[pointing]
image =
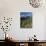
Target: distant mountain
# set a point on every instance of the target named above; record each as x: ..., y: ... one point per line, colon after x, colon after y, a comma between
x: 23, y: 18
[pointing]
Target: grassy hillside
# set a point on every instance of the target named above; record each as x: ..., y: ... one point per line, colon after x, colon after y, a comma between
x: 26, y: 22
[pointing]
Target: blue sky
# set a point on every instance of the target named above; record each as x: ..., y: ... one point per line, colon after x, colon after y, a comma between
x: 24, y: 14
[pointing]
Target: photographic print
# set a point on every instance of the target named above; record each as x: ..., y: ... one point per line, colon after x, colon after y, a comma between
x: 26, y: 19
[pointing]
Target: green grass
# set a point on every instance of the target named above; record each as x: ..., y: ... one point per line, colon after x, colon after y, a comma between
x: 27, y: 23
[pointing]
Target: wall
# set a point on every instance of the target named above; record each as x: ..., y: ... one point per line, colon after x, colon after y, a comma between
x: 12, y: 8
x: 45, y: 27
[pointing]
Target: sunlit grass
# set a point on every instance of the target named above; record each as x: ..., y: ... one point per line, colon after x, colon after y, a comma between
x: 27, y: 23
